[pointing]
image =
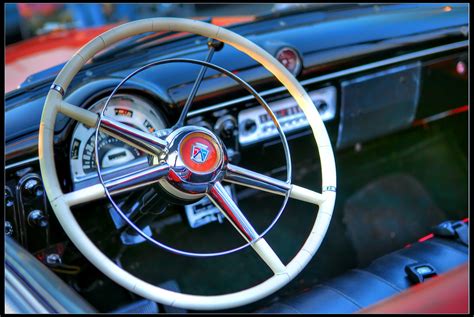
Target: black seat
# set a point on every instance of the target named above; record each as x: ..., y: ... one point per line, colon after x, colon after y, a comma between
x: 384, y: 277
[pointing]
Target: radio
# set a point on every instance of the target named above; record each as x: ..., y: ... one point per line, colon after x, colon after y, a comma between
x: 255, y: 124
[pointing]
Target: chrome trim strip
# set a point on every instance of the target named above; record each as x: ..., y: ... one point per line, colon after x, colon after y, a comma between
x: 24, y: 296
x: 20, y: 163
x: 349, y: 71
x: 58, y: 89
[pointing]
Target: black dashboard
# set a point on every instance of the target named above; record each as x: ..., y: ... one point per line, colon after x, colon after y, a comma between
x: 360, y: 65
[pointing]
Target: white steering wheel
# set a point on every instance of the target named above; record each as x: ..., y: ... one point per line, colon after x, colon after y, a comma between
x: 182, y: 175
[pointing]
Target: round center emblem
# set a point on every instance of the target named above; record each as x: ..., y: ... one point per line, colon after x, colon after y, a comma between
x: 199, y: 152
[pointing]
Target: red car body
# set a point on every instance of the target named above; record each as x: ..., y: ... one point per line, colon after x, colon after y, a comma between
x: 21, y: 59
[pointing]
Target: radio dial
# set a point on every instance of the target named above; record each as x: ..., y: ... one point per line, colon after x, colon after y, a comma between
x: 249, y: 126
x: 321, y: 105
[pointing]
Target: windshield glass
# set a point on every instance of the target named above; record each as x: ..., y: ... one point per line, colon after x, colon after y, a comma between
x: 26, y: 20
x: 42, y: 35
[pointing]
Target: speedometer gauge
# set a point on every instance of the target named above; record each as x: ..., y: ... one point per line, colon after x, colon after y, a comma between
x: 129, y: 109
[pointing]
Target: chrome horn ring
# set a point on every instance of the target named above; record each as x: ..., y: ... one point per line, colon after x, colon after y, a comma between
x: 159, y: 149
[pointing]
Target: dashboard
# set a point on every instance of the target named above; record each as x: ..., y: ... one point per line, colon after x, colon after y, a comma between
x: 355, y: 82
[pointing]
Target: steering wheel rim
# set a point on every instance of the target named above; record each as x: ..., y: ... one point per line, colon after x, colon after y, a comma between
x: 61, y: 202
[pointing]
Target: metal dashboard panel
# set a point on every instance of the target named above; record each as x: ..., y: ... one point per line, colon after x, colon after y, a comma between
x: 379, y: 103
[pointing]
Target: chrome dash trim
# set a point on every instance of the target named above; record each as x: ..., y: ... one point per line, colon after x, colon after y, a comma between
x: 349, y: 71
x: 20, y: 163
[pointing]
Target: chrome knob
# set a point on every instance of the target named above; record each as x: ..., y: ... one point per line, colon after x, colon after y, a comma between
x: 33, y: 188
x: 8, y: 200
x: 54, y: 259
x: 8, y: 228
x: 36, y: 218
x: 321, y: 105
x: 225, y: 126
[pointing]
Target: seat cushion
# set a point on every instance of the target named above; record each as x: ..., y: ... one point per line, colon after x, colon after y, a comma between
x: 383, y: 278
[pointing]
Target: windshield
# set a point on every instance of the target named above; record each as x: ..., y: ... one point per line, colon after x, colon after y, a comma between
x: 53, y: 32
x: 26, y: 20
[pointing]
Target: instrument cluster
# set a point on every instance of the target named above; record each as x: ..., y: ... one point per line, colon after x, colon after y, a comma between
x: 114, y: 154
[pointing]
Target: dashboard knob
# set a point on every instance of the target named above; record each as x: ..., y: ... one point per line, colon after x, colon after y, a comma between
x: 249, y: 126
x: 225, y: 126
x: 33, y: 188
x: 54, y: 259
x: 8, y: 200
x: 228, y: 128
x: 8, y: 228
x: 321, y: 105
x: 36, y: 218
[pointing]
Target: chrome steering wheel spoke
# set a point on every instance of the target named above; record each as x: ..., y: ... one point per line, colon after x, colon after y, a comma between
x: 144, y: 141
x: 242, y: 176
x: 118, y: 185
x: 137, y: 179
x: 153, y: 144
x: 223, y: 201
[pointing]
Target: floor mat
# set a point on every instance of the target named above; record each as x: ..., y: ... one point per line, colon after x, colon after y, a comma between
x: 387, y: 214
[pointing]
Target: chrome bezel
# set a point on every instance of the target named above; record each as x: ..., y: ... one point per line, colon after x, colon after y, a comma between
x: 299, y: 62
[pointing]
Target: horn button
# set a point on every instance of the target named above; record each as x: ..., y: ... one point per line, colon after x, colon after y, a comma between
x: 196, y: 158
x: 199, y: 152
